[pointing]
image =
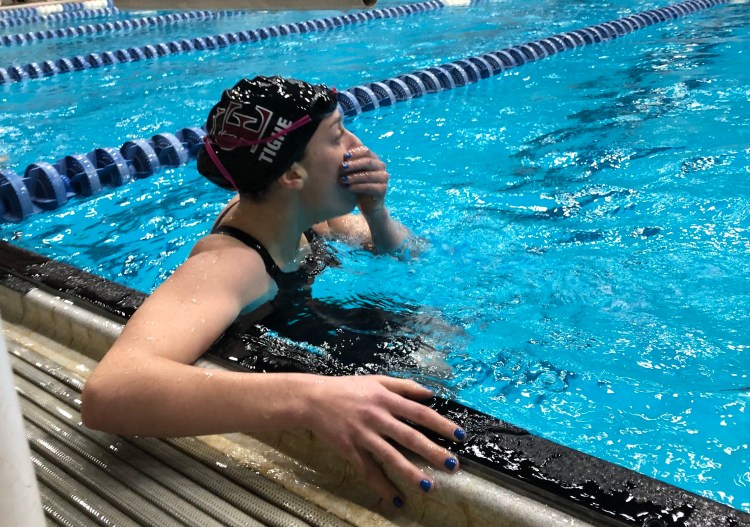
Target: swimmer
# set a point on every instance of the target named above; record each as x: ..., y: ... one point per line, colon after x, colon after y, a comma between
x: 298, y: 173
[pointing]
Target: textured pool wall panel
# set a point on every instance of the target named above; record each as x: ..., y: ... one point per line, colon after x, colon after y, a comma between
x: 86, y: 476
x: 508, y: 477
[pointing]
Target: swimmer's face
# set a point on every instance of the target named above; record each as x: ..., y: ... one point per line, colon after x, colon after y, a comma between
x: 322, y: 161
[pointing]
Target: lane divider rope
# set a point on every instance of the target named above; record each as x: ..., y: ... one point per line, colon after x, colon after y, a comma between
x: 59, y: 17
x: 19, y: 73
x: 118, y: 25
x: 45, y: 186
x: 46, y: 9
x: 472, y: 69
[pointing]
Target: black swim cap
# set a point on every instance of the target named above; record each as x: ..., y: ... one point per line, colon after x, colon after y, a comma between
x: 259, y: 128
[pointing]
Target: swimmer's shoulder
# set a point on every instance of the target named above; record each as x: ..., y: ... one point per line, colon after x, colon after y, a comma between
x: 229, y: 267
x: 213, y: 243
x: 226, y: 252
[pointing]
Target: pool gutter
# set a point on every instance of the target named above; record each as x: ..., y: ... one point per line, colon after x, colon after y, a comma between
x: 509, y: 476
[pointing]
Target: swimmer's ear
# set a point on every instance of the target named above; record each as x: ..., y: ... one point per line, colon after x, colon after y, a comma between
x: 294, y: 177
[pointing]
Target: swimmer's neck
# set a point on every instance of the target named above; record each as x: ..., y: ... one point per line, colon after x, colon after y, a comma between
x: 277, y: 225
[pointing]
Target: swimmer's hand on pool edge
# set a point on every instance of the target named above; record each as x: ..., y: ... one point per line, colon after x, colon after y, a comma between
x: 367, y: 412
x: 358, y: 416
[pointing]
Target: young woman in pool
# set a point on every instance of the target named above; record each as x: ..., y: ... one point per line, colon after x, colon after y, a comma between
x: 299, y: 173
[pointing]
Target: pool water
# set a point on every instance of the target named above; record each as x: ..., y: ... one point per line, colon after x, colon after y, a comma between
x: 588, y: 215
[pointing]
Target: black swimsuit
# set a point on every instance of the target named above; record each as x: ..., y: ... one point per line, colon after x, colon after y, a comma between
x: 313, y: 264
x: 291, y: 283
x: 295, y: 332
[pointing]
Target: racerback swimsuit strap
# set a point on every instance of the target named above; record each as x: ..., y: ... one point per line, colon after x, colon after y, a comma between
x: 271, y: 268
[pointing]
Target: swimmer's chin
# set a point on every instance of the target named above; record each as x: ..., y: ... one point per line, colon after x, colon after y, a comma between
x: 346, y: 205
x: 349, y: 200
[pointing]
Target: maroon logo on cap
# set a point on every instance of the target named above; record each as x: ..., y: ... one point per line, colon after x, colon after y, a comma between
x: 230, y: 123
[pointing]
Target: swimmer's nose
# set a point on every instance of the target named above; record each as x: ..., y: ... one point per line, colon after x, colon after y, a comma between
x: 352, y: 141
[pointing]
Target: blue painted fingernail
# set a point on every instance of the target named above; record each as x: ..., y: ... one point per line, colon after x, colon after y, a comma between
x: 348, y: 155
x: 344, y: 178
x: 450, y: 463
x: 345, y: 164
x: 398, y: 502
x: 425, y: 485
x: 459, y: 434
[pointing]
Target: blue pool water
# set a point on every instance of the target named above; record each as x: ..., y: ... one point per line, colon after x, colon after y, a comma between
x: 588, y: 215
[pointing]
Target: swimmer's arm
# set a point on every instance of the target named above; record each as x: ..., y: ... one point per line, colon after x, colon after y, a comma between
x: 364, y: 174
x: 379, y: 232
x: 146, y: 384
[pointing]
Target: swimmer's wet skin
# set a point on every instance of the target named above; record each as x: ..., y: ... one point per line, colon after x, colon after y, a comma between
x: 282, y: 146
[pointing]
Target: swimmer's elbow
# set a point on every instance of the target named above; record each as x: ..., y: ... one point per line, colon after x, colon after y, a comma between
x: 95, y: 405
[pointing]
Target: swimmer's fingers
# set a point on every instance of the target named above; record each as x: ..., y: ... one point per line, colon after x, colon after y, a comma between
x: 361, y: 159
x: 391, y: 431
x: 364, y: 174
x: 359, y: 150
x: 419, y: 413
x: 409, y: 437
x: 367, y: 183
x: 365, y: 464
x: 409, y: 389
x: 370, y: 188
x: 369, y: 413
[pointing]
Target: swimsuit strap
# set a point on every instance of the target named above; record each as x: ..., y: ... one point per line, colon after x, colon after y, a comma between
x: 271, y: 267
x: 226, y: 210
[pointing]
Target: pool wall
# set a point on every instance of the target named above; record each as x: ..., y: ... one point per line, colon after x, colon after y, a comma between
x: 86, y: 313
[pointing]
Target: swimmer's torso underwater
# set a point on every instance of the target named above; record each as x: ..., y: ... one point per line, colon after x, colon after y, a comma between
x: 296, y: 332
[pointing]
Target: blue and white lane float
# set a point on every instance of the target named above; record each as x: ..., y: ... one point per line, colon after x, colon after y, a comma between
x: 31, y: 37
x: 50, y: 8
x: 59, y: 17
x: 19, y: 73
x: 469, y: 70
x: 45, y: 186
